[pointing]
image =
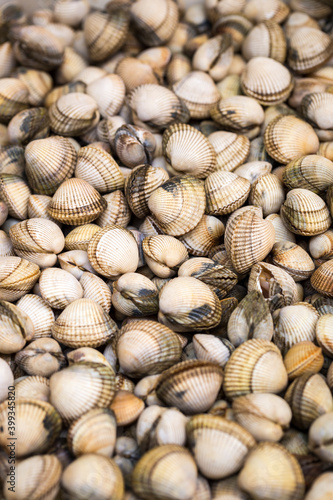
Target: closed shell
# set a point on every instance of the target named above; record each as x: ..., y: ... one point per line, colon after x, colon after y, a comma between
x: 324, y: 334
x: 95, y: 289
x: 309, y: 49
x: 266, y: 39
x: 267, y: 192
x: 17, y: 277
x: 16, y: 328
x: 40, y: 314
x: 59, y: 288
x: 231, y: 149
x: 15, y: 192
x: 225, y: 192
x: 303, y: 358
x: 190, y: 90
x: 204, y: 236
x: 238, y: 113
x: 155, y: 23
x: 293, y: 259
x: 262, y: 10
x: 164, y: 254
x: 14, y: 97
x: 312, y: 172
x: 79, y: 237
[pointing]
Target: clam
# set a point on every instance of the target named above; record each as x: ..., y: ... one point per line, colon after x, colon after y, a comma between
x: 178, y: 204
x: 164, y: 254
x: 179, y: 313
x: 6, y: 246
x: 17, y: 277
x: 154, y: 24
x: 227, y: 486
x: 37, y: 207
x: 238, y: 113
x: 117, y: 211
x: 210, y: 348
x: 218, y: 445
x: 96, y: 166
x: 293, y: 324
x: 7, y: 59
x: 95, y: 289
x: 12, y: 160
x: 250, y: 319
x: 326, y: 150
x: 168, y: 471
x: 109, y: 94
x: 321, y: 487
x: 28, y: 125
x: 324, y: 333
x: 320, y: 437
x: 266, y: 39
x: 14, y: 97
x: 134, y: 145
x: 316, y: 108
x: 305, y: 213
x: 73, y: 114
x: 261, y: 10
x: 321, y: 279
x: 72, y: 64
x: 293, y: 259
x: 79, y: 237
x: 40, y: 314
x: 80, y: 388
x: 248, y: 238
x: 263, y: 464
x: 7, y: 379
x: 135, y: 295
x: 204, y: 236
x: 87, y: 354
x: 191, y: 386
x: 295, y: 441
x: 38, y: 425
x: 84, y: 323
x: 231, y: 149
x: 42, y: 357
x: 69, y: 88
x: 256, y: 366
x: 178, y: 68
x: 76, y: 202
x: 75, y: 262
x: 267, y: 192
x: 324, y: 305
x: 225, y: 192
x: 104, y: 254
x: 135, y: 72
x: 94, y: 476
x: 214, y: 56
x: 59, y: 288
x: 257, y: 81
x: 15, y: 192
x: 188, y: 151
x: 303, y: 60
x: 70, y: 12
x: 312, y: 172
x: 126, y: 407
x: 253, y: 170
x: 321, y: 246
x: 146, y: 348
x: 190, y: 89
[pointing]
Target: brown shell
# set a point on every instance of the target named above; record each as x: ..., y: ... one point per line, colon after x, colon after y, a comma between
x: 293, y: 259
x: 154, y: 23
x: 266, y: 39
x: 312, y: 172
x: 225, y: 192
x: 322, y: 279
x: 15, y: 192
x: 303, y: 358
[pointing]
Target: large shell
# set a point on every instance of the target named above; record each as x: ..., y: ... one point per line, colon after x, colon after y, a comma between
x: 287, y: 137
x: 231, y: 149
x: 305, y: 213
x: 84, y: 323
x: 49, y: 162
x: 154, y: 23
x: 17, y: 277
x: 255, y: 366
x: 15, y: 192
x: 40, y: 314
x: 37, y: 426
x: 80, y: 388
x: 303, y: 358
x: 309, y: 49
x: 178, y: 204
x: 248, y: 238
x: 76, y: 202
x: 293, y: 259
x: 225, y: 192
x: 219, y: 445
x: 191, y: 386
x: 266, y: 39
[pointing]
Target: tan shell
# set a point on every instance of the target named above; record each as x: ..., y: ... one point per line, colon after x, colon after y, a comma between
x: 84, y: 323
x: 303, y: 358
x: 166, y: 468
x: 79, y: 237
x: 32, y: 387
x: 154, y: 23
x: 272, y: 459
x: 41, y: 357
x: 282, y: 233
x: 303, y: 60
x: 117, y: 210
x: 207, y: 433
x: 15, y: 192
x: 75, y: 262
x: 7, y: 59
x: 135, y: 72
x: 17, y: 277
x: 248, y: 238
x: 266, y: 39
x: 40, y: 314
x: 255, y: 366
x: 6, y: 246
x: 96, y: 166
x: 80, y: 388
x: 305, y: 213
x: 225, y: 192
x: 293, y: 259
x: 317, y: 108
x: 238, y: 113
x: 12, y: 160
x: 214, y: 56
x: 73, y: 114
x: 267, y: 80
x: 262, y: 10
x: 326, y: 149
x: 321, y: 246
x: 253, y: 170
x: 104, y: 254
x: 201, y: 312
x: 37, y: 207
x: 16, y: 328
x: 70, y: 88
x: 95, y: 289
x: 135, y: 295
x: 309, y: 397
x: 134, y: 145
x: 38, y: 426
x: 59, y: 288
x: 267, y: 192
x: 231, y: 149
x: 312, y: 172
x: 28, y: 125
x: 191, y: 386
x: 164, y: 254
x: 14, y: 97
x: 109, y: 94
x: 126, y: 407
x: 324, y: 334
x: 76, y: 202
x: 321, y: 280
x: 204, y: 236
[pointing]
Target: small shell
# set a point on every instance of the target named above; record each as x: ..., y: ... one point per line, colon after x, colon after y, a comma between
x: 321, y: 246
x: 317, y: 108
x: 126, y: 407
x: 16, y: 328
x: 42, y: 357
x: 15, y: 192
x: 190, y: 90
x: 6, y: 246
x: 293, y: 259
x: 255, y: 366
x: 37, y: 207
x: 204, y: 236
x: 73, y: 114
x: 253, y: 170
x: 12, y: 160
x: 321, y: 487
x: 164, y: 254
x: 267, y: 192
x: 134, y: 145
x: 109, y: 94
x: 83, y: 323
x: 238, y: 113
x: 32, y: 387
x: 155, y: 24
x: 135, y: 295
x: 40, y: 314
x: 303, y: 60
x: 14, y: 97
x: 135, y: 72
x: 191, y: 386
x: 214, y: 56
x: 70, y: 12
x: 28, y: 125
x: 225, y: 192
x: 305, y: 213
x: 303, y: 358
x: 312, y: 172
x: 282, y: 233
x: 231, y: 149
x: 7, y: 59
x: 117, y: 210
x: 17, y: 277
x: 262, y: 10
x: 266, y: 39
x: 324, y: 334
x: 78, y: 238
x: 59, y: 288
x: 95, y: 289
x: 70, y: 88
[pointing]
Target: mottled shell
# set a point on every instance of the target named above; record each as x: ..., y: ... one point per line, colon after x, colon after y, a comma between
x: 204, y: 236
x: 309, y: 49
x: 225, y: 192
x: 17, y: 277
x: 231, y: 149
x: 76, y: 202
x: 305, y: 213
x: 191, y: 386
x: 303, y: 358
x: 312, y: 172
x: 135, y: 295
x: 84, y: 323
x: 266, y: 39
x: 293, y: 259
x: 255, y: 366
x: 12, y: 160
x: 28, y: 125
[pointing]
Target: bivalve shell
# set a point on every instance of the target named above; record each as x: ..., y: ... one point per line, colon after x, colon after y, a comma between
x: 266, y: 39
x: 204, y: 236
x: 59, y: 288
x: 320, y: 437
x: 231, y: 149
x: 312, y: 172
x: 14, y: 97
x: 238, y: 113
x: 267, y: 192
x: 17, y: 277
x: 79, y: 237
x: 96, y: 289
x: 262, y: 10
x: 225, y: 192
x: 164, y: 254
x: 109, y: 94
x: 154, y: 23
x: 135, y: 295
x: 324, y: 334
x: 309, y: 49
x: 40, y: 314
x: 16, y: 328
x: 293, y: 259
x: 15, y: 192
x: 303, y: 358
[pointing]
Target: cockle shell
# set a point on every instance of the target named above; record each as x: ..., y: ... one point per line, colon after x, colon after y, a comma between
x: 303, y: 60
x: 17, y: 277
x: 266, y: 39
x: 303, y: 358
x: 293, y: 259
x: 59, y: 287
x: 16, y: 328
x: 164, y: 254
x: 231, y: 149
x: 15, y: 192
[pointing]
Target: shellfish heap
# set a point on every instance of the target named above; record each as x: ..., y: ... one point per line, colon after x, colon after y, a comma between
x: 166, y: 250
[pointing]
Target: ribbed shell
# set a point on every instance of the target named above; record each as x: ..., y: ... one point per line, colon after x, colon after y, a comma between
x: 6, y: 246
x: 287, y: 137
x: 109, y: 93
x: 312, y: 172
x: 255, y: 366
x: 126, y: 407
x: 282, y: 233
x: 309, y: 49
x: 95, y: 289
x: 105, y: 33
x: 79, y: 237
x: 94, y: 432
x: 204, y: 236
x: 135, y: 73
x: 28, y: 125
x: 317, y: 108
x: 225, y: 192
x: 84, y: 323
x: 15, y: 192
x: 188, y: 304
x: 188, y: 151
x: 178, y: 204
x: 59, y: 288
x: 40, y: 314
x: 155, y: 23
x: 157, y: 106
x: 305, y: 213
x: 57, y: 92
x: 262, y: 10
x: 266, y: 39
x: 199, y: 92
x: 231, y: 149
x: 113, y: 251
x: 80, y: 388
x: 207, y: 433
x: 16, y: 328
x: 324, y: 334
x: 248, y: 238
x: 135, y: 295
x: 73, y: 114
x: 76, y: 202
x: 7, y: 59
x: 322, y: 279
x: 17, y: 277
x: 293, y: 259
x: 303, y: 358
x: 12, y: 160
x: 117, y: 210
x: 164, y: 254
x: 321, y: 246
x: 238, y: 113
x: 37, y: 427
x: 267, y: 80
x: 210, y: 348
x: 214, y: 56
x: 191, y: 386
x: 147, y: 348
x: 14, y: 97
